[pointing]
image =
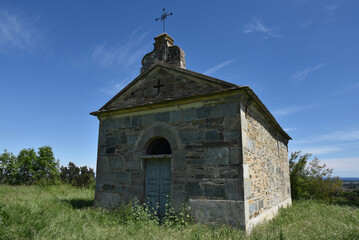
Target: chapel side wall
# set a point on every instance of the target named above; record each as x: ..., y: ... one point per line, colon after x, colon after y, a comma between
x: 206, y: 157
x: 265, y: 153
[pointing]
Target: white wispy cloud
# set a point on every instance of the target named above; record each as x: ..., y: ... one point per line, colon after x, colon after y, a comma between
x: 293, y: 109
x: 121, y: 55
x: 290, y: 129
x: 321, y: 150
x: 334, y: 136
x: 18, y: 32
x: 217, y: 67
x: 117, y: 85
x: 346, y: 166
x: 301, y: 75
x: 257, y: 26
x: 330, y: 8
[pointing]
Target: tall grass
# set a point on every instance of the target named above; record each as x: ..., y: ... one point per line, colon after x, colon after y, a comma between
x: 64, y: 212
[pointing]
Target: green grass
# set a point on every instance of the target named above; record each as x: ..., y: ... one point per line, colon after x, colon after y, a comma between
x: 64, y: 212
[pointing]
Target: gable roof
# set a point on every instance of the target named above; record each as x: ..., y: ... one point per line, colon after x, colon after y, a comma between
x: 180, y: 83
x: 211, y: 86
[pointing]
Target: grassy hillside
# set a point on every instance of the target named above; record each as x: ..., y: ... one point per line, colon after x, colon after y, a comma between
x: 63, y: 212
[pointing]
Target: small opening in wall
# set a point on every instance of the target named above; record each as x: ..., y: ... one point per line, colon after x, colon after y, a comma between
x: 159, y: 146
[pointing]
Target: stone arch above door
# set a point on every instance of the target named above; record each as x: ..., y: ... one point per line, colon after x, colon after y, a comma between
x: 159, y: 130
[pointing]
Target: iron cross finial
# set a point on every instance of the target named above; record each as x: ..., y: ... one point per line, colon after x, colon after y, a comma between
x: 163, y: 18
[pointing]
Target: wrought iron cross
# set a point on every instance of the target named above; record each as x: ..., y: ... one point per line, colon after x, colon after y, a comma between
x: 163, y: 18
x: 158, y: 86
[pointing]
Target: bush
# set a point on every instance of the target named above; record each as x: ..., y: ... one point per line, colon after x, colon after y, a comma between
x: 77, y: 176
x: 29, y: 167
x: 310, y: 179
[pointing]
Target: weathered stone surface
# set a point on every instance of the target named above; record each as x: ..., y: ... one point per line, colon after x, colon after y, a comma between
x: 211, y: 135
x: 234, y: 155
x: 162, y: 117
x: 214, y: 190
x: 228, y: 109
x: 127, y: 122
x: 131, y: 140
x: 234, y: 189
x: 137, y: 121
x: 217, y: 156
x: 203, y: 112
x: 124, y: 177
x: 189, y: 114
x: 148, y: 119
x: 175, y: 116
x: 192, y: 136
x: 194, y: 189
x: 232, y: 124
x: 108, y: 187
x: 218, y: 211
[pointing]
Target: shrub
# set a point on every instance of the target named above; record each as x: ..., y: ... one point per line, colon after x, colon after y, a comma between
x: 310, y: 179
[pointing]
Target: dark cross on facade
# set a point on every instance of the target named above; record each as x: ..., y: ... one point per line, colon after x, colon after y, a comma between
x: 163, y: 18
x: 158, y: 86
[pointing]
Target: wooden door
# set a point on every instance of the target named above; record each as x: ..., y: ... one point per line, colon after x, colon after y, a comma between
x: 158, y: 183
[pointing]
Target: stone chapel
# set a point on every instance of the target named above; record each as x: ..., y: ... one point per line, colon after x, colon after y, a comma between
x: 200, y: 140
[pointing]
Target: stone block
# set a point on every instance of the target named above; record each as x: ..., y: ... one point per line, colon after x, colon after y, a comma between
x: 108, y: 187
x: 245, y: 171
x: 253, y: 207
x: 203, y: 112
x: 211, y: 135
x: 231, y: 136
x: 162, y: 117
x: 136, y: 121
x: 194, y: 189
x: 123, y: 138
x: 131, y: 140
x: 226, y: 109
x: 247, y: 188
x: 189, y: 114
x: 234, y: 155
x: 234, y: 189
x: 110, y: 141
x: 127, y: 122
x: 232, y: 124
x: 214, y: 190
x: 111, y: 124
x: 218, y: 211
x: 110, y: 150
x: 176, y: 116
x: 217, y: 156
x: 115, y: 164
x: 124, y: 177
x: 197, y: 162
x: 148, y: 119
x: 192, y: 136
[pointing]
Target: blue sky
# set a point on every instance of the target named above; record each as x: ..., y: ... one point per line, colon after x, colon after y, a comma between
x: 61, y: 60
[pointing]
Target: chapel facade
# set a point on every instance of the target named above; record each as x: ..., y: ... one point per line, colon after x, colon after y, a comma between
x: 199, y: 140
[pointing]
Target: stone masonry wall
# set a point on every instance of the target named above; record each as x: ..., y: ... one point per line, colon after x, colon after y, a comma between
x: 206, y: 161
x: 265, y: 152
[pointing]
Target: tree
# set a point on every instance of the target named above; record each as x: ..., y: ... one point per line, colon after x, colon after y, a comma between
x: 8, y: 169
x: 77, y: 176
x: 29, y: 167
x: 310, y: 179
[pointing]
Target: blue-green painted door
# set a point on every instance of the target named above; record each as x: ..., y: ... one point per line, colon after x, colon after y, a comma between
x: 158, y: 183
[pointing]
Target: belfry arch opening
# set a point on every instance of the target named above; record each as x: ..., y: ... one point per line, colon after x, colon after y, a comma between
x: 158, y: 146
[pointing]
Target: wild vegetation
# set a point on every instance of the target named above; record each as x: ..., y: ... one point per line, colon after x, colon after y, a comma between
x: 66, y: 212
x: 29, y: 167
x: 57, y: 206
x: 310, y: 179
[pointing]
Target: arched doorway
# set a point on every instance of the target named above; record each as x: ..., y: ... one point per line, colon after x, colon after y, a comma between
x: 158, y: 173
